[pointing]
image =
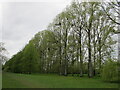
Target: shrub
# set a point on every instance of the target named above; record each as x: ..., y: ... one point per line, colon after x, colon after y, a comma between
x: 110, y: 71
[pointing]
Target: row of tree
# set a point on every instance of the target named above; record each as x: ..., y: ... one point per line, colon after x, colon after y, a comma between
x: 78, y: 41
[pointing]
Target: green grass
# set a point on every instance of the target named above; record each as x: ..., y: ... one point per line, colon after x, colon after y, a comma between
x: 12, y: 80
x: 0, y: 80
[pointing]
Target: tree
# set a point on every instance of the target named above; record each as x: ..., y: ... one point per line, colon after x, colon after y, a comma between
x: 79, y: 40
x: 30, y: 58
x: 3, y: 51
x: 78, y: 27
x: 110, y: 71
x: 112, y: 7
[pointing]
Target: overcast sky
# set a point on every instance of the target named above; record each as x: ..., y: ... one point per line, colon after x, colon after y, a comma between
x: 22, y: 20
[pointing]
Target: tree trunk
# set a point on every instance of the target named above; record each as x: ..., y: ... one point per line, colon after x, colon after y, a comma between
x: 90, y: 71
x: 94, y: 58
x: 99, y: 54
x: 66, y: 62
x: 80, y: 52
x: 60, y: 68
x: 90, y: 68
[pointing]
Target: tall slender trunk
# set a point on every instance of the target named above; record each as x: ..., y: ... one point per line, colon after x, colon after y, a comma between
x: 72, y: 64
x: 73, y: 56
x: 94, y: 58
x: 80, y: 52
x: 77, y: 56
x: 90, y: 71
x: 66, y: 62
x: 99, y: 53
x: 60, y: 68
x: 119, y: 52
x: 90, y: 68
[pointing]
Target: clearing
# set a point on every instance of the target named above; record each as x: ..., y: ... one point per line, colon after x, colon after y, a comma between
x: 13, y: 80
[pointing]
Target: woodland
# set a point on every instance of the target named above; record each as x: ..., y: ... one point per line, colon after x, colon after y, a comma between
x: 79, y: 41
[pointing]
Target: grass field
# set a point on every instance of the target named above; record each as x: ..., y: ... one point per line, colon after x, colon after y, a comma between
x: 12, y: 80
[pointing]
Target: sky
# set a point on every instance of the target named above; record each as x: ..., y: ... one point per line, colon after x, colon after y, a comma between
x: 22, y: 20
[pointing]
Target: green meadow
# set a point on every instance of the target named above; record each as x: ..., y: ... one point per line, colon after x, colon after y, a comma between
x: 12, y: 80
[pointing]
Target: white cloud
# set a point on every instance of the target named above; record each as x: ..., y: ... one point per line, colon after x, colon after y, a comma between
x: 0, y: 22
x: 22, y: 20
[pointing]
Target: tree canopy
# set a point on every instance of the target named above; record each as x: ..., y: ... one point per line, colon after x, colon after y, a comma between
x: 78, y: 41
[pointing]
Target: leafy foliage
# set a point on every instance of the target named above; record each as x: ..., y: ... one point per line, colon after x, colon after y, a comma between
x: 110, y: 71
x: 78, y: 41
